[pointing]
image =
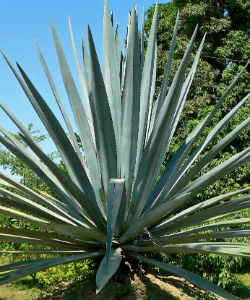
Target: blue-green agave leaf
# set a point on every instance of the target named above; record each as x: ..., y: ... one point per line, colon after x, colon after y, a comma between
x: 60, y: 105
x: 61, y: 140
x: 130, y: 105
x: 186, y: 212
x: 142, y: 39
x: 154, y: 152
x: 103, y: 123
x: 116, y: 189
x: 82, y: 119
x: 105, y: 272
x: 189, y: 276
x: 118, y: 43
x: 146, y: 81
x: 188, y: 193
x: 111, y: 75
x: 167, y: 70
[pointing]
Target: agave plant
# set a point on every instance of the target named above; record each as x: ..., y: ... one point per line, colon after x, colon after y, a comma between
x: 115, y: 201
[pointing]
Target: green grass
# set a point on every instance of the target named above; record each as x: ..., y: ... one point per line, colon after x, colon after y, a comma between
x: 242, y: 286
x: 22, y: 289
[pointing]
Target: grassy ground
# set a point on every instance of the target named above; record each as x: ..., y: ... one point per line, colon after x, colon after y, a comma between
x: 242, y: 287
x: 147, y: 286
x: 23, y: 289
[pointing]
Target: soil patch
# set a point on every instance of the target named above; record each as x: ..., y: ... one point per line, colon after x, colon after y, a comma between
x: 128, y: 284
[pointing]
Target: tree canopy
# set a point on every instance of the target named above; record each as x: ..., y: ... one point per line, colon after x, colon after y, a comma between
x: 226, y: 51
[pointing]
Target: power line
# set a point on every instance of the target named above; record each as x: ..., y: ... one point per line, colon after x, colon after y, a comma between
x: 54, y: 54
x: 27, y: 51
x: 30, y: 35
x: 64, y: 38
x: 224, y: 58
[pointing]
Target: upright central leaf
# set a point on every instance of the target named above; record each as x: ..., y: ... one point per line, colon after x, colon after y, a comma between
x: 111, y: 74
x: 103, y: 124
x: 130, y: 104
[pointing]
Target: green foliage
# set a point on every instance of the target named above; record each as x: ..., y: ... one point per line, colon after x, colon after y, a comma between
x: 225, y: 52
x: 16, y: 167
x: 65, y: 273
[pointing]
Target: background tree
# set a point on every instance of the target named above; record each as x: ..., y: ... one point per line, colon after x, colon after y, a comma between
x: 226, y: 51
x: 16, y: 167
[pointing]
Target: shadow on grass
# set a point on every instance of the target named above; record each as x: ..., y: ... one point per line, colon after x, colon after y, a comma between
x: 241, y: 290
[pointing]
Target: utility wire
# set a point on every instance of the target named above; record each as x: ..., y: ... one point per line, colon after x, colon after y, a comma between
x: 54, y: 54
x: 225, y: 58
x: 30, y: 35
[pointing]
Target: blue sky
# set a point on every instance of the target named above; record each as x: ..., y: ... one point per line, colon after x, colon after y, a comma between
x: 23, y: 21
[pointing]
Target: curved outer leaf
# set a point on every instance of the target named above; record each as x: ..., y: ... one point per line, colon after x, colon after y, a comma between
x: 218, y: 172
x: 64, y: 182
x: 56, y: 128
x: 105, y: 272
x: 197, y: 207
x: 86, y: 65
x: 39, y: 265
x: 191, y: 277
x: 53, y: 126
x: 29, y: 138
x: 74, y: 231
x: 186, y: 236
x: 111, y: 75
x: 66, y: 212
x: 210, y: 155
x: 205, y: 215
x: 32, y: 207
x: 17, y: 123
x: 188, y: 193
x: 61, y: 140
x: 202, y: 247
x: 83, y: 86
x: 164, y: 86
x: 175, y: 119
x: 35, y: 165
x: 15, y: 265
x: 231, y: 223
x: 60, y: 105
x: 202, y: 182
x: 45, y: 251
x: 180, y: 155
x: 130, y: 105
x: 35, y: 241
x: 25, y: 152
x: 212, y: 134
x: 104, y: 130
x: 41, y: 173
x: 152, y: 92
x: 48, y: 237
